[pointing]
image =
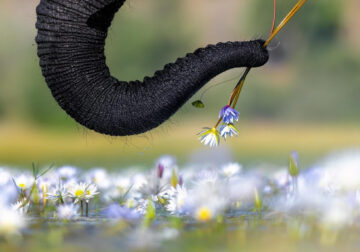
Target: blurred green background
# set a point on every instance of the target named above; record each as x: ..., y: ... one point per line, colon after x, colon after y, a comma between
x: 306, y: 98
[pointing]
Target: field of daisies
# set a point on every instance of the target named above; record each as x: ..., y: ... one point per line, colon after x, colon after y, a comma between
x: 191, y: 208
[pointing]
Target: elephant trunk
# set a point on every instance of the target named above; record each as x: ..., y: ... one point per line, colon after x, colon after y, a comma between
x: 71, y: 41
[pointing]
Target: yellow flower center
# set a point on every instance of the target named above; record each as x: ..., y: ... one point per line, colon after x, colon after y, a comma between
x: 204, y: 214
x: 213, y: 131
x: 87, y: 192
x: 79, y: 193
x: 22, y: 185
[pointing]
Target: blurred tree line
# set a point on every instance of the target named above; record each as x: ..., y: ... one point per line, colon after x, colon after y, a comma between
x: 325, y: 71
x: 320, y: 21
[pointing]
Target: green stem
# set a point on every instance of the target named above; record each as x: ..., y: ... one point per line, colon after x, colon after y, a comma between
x: 239, y: 87
x: 61, y: 200
x: 82, y: 208
x: 87, y: 209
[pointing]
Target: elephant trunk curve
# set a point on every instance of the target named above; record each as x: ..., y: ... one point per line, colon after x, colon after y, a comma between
x: 71, y: 41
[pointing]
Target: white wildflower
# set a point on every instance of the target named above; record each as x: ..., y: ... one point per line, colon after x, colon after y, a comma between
x: 83, y: 191
x: 24, y: 182
x: 176, y: 205
x: 58, y: 194
x: 228, y: 130
x: 210, y: 137
x: 67, y: 211
x: 100, y: 178
x: 231, y: 169
x: 21, y: 207
x: 67, y: 172
x: 5, y: 177
x: 11, y: 221
x: 337, y: 215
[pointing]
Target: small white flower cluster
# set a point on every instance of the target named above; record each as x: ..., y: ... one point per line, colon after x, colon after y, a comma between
x: 211, y: 136
x: 328, y: 192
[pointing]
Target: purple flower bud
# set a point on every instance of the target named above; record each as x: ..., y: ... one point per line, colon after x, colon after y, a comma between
x: 160, y: 170
x: 228, y: 114
x: 180, y: 180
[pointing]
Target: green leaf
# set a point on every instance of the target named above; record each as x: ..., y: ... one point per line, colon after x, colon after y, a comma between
x: 46, y: 170
x: 124, y: 197
x: 198, y: 104
x: 16, y: 186
x: 35, y: 169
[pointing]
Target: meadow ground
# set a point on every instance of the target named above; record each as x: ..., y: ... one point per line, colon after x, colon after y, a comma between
x: 168, y: 206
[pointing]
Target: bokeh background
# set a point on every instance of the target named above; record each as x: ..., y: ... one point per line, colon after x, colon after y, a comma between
x: 306, y: 98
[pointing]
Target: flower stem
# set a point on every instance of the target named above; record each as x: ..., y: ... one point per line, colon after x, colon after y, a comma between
x: 218, y: 122
x: 44, y: 197
x: 294, y: 10
x: 260, y: 214
x: 87, y: 209
x: 295, y: 185
x: 274, y: 19
x: 61, y: 200
x: 237, y: 90
x: 239, y: 87
x: 82, y: 208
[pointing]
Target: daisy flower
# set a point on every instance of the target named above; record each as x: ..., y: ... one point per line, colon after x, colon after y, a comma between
x: 20, y: 207
x: 67, y: 212
x: 205, y: 207
x: 83, y: 191
x: 177, y: 201
x: 337, y: 215
x: 228, y: 130
x: 228, y: 114
x: 231, y: 169
x: 241, y: 188
x: 58, y: 194
x: 67, y: 172
x: 5, y: 177
x: 206, y: 201
x: 204, y: 214
x: 11, y: 221
x: 100, y: 178
x: 24, y: 182
x: 91, y: 191
x: 167, y: 161
x: 210, y: 137
x: 121, y: 185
